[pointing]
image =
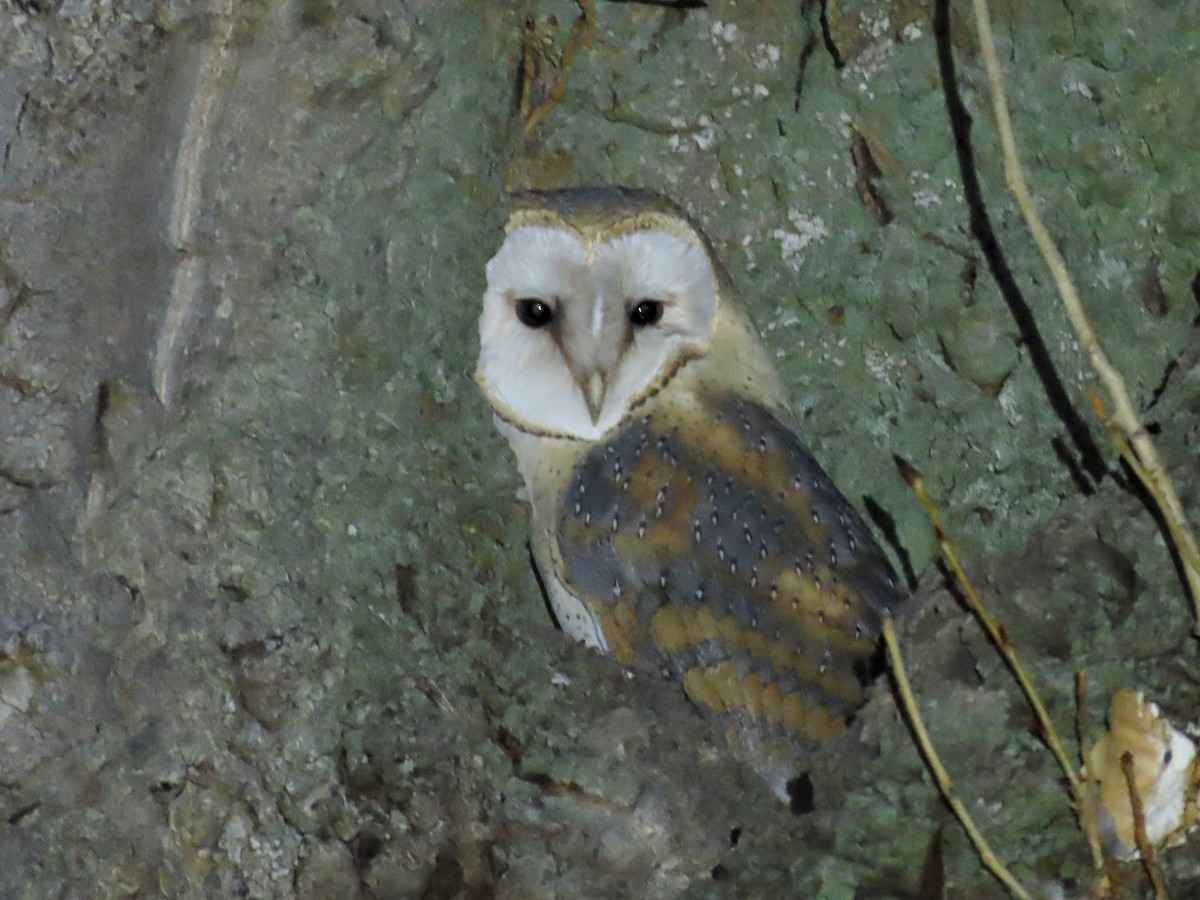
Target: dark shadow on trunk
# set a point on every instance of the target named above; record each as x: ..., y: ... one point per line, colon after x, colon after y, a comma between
x: 1090, y: 459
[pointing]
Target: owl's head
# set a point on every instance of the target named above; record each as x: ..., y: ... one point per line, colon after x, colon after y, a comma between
x: 594, y: 301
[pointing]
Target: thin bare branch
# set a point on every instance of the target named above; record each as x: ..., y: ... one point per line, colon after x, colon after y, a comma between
x: 945, y: 787
x: 1087, y: 797
x: 1139, y: 828
x: 582, y: 34
x: 1135, y: 443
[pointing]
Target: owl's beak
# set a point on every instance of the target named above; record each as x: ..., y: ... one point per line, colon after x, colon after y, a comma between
x: 594, y: 389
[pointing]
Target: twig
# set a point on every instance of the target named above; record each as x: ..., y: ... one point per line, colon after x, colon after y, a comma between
x: 1135, y: 440
x: 994, y: 632
x: 1117, y: 436
x: 1081, y: 715
x: 187, y: 197
x: 528, y: 66
x: 1110, y: 878
x: 1004, y: 646
x: 909, y: 704
x: 577, y: 38
x: 866, y: 171
x: 1139, y: 828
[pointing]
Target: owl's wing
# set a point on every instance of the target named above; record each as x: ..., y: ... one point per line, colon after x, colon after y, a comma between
x: 713, y: 543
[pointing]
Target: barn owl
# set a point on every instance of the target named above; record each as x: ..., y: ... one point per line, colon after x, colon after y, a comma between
x: 677, y: 517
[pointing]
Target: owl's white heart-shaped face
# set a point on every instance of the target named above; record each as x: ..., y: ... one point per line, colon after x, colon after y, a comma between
x: 577, y: 330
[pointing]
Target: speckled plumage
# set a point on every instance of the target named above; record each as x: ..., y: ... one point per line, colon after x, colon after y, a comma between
x: 690, y: 527
x: 716, y: 540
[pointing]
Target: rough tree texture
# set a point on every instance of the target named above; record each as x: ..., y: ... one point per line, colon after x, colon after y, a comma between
x: 267, y: 621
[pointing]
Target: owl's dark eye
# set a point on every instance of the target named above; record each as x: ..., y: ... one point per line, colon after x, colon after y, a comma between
x: 534, y: 313
x: 646, y: 312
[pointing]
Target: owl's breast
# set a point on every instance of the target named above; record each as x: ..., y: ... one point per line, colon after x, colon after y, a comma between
x: 708, y: 539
